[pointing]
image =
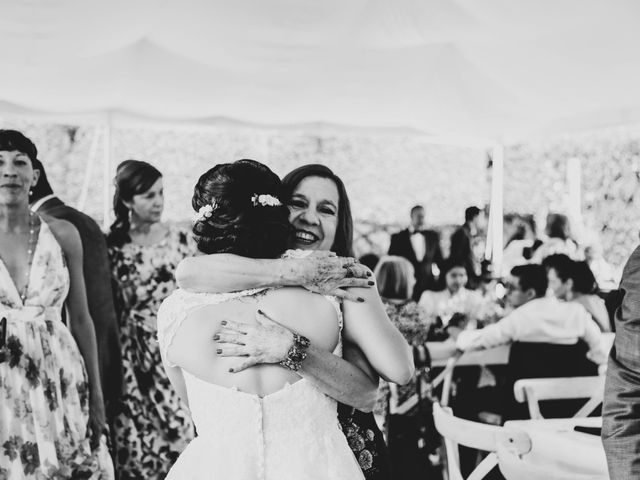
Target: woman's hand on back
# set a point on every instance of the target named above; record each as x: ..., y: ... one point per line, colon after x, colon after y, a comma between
x: 265, y: 342
x: 327, y: 274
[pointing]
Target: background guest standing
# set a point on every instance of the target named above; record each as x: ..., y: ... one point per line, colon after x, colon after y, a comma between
x: 462, y: 244
x: 97, y: 276
x: 422, y: 248
x: 151, y: 427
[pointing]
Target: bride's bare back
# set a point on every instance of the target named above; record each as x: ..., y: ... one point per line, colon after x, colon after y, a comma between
x: 194, y: 350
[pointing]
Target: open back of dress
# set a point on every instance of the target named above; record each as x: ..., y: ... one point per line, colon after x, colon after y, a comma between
x: 290, y: 434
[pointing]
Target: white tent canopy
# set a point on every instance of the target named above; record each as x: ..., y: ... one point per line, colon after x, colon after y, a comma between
x: 484, y: 69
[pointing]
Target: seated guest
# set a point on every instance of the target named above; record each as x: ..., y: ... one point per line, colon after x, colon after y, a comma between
x: 536, y: 318
x: 405, y: 433
x: 574, y: 282
x: 559, y: 239
x: 606, y: 276
x: 520, y: 236
x: 395, y: 280
x: 455, y: 298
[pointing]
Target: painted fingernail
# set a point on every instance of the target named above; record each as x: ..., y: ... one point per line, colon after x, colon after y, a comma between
x: 368, y: 274
x: 223, y: 322
x: 219, y: 351
x: 370, y: 282
x: 216, y: 337
x: 361, y: 300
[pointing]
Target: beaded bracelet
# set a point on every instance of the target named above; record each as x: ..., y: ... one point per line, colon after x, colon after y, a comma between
x: 297, y: 353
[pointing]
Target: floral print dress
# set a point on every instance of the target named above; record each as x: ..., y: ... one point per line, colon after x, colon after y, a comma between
x: 44, y: 391
x: 152, y: 426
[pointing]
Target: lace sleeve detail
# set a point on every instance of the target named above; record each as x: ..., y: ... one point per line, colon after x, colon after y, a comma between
x: 171, y: 314
x: 179, y: 304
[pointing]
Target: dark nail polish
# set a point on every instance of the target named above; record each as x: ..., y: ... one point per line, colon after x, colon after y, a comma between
x: 223, y: 322
x: 219, y: 351
x: 368, y: 274
x: 361, y: 300
x: 371, y: 283
x: 216, y: 337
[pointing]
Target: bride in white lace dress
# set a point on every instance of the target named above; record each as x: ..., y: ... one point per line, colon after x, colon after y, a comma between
x: 264, y: 422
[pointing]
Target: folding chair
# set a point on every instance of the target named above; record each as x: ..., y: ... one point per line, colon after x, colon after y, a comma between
x: 513, y: 467
x: 456, y: 431
x: 534, y: 390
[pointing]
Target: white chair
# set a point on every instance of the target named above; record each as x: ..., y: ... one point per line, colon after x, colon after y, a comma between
x: 534, y: 390
x: 456, y: 431
x: 513, y: 467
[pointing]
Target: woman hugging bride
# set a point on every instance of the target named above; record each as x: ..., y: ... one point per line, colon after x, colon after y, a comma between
x: 265, y: 422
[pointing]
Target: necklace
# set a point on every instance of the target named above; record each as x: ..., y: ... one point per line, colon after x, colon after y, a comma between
x: 30, y: 251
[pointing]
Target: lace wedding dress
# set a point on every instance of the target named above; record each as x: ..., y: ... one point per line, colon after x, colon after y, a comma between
x: 290, y: 434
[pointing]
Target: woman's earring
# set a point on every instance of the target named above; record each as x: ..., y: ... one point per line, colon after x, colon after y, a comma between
x: 30, y: 193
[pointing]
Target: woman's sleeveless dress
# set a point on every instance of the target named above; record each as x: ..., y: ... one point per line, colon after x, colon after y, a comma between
x: 44, y: 391
x: 290, y: 434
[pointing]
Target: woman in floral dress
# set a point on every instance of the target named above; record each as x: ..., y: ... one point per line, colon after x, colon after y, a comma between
x: 152, y: 427
x: 51, y: 404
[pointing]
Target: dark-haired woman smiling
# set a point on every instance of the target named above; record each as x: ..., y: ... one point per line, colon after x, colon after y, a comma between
x: 151, y: 428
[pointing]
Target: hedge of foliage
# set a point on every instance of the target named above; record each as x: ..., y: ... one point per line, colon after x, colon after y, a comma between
x: 385, y: 174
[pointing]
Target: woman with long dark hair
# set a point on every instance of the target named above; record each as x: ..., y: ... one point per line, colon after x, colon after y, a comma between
x: 320, y: 215
x: 151, y: 428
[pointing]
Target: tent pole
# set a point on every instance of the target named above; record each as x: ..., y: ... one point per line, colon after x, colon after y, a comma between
x: 106, y: 176
x: 88, y: 173
x: 496, y: 209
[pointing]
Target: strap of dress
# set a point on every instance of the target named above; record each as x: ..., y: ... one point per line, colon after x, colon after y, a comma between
x: 181, y: 303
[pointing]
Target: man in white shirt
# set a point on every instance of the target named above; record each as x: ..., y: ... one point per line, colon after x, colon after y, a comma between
x: 536, y: 318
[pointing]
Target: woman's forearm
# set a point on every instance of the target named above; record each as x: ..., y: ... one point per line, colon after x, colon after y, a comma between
x: 227, y: 273
x: 339, y: 379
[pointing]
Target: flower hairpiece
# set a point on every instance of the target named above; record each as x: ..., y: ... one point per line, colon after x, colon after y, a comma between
x: 265, y: 200
x: 205, y: 212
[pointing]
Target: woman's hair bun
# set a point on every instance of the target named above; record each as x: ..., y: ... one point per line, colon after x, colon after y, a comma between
x: 239, y: 209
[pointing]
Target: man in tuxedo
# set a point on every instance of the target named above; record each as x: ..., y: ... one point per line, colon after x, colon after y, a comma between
x: 462, y: 244
x: 621, y: 407
x: 422, y: 248
x: 97, y: 276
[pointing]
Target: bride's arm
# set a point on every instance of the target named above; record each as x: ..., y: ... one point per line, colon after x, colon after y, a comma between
x: 367, y: 325
x: 321, y: 272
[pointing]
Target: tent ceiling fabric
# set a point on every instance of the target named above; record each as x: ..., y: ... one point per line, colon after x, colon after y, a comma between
x: 494, y: 69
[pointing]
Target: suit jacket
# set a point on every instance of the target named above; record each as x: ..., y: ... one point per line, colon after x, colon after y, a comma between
x: 401, y: 245
x: 621, y: 408
x: 462, y: 249
x: 97, y: 275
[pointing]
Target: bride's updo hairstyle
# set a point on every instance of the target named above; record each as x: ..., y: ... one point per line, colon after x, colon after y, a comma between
x: 240, y: 210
